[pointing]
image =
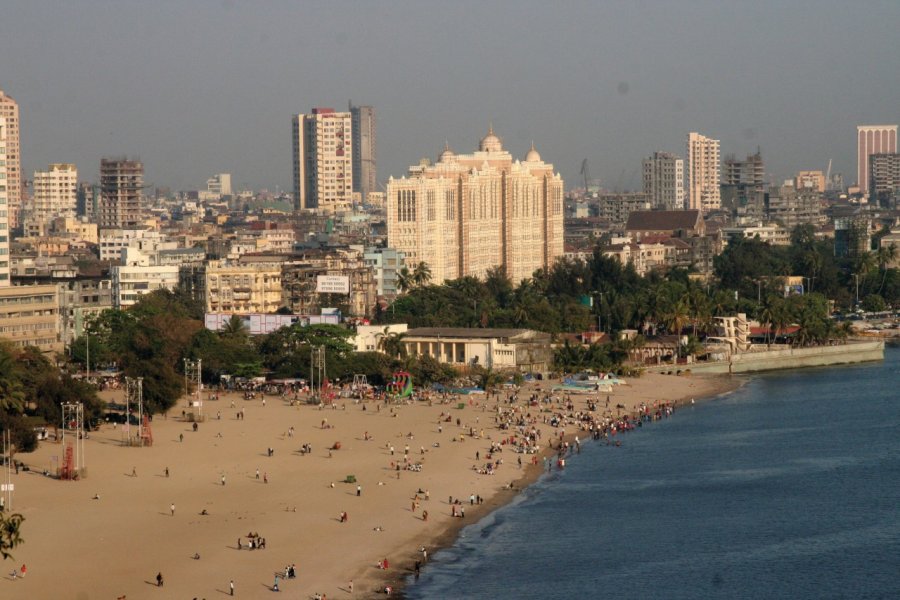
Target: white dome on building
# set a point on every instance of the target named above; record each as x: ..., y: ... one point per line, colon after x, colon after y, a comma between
x: 447, y: 155
x: 532, y: 155
x: 490, y: 142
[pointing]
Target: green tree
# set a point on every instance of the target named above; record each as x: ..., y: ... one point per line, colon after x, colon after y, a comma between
x: 10, y: 533
x: 421, y: 274
x: 405, y: 280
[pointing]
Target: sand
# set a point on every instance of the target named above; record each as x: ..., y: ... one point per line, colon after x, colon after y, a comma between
x: 84, y: 548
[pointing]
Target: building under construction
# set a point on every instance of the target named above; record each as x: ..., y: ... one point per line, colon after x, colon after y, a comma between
x: 121, y: 190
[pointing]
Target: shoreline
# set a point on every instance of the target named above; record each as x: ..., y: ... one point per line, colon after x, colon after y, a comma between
x: 721, y: 385
x: 295, y: 500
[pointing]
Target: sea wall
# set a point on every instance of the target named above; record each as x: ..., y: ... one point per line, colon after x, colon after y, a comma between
x: 791, y: 358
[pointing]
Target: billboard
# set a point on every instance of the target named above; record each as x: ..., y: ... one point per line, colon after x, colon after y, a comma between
x: 332, y: 284
x: 258, y: 323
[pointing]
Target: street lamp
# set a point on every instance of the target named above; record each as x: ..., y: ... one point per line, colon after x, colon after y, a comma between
x: 856, y: 277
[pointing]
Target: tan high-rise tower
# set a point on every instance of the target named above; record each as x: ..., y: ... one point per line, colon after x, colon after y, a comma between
x: 4, y: 209
x: 9, y: 110
x: 323, y: 161
x: 872, y: 139
x: 703, y: 173
x: 469, y: 213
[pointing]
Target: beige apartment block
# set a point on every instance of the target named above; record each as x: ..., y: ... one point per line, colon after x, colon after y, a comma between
x: 469, y: 213
x: 72, y: 227
x: 54, y: 192
x: 9, y: 112
x: 810, y: 180
x: 323, y: 161
x: 4, y: 205
x: 703, y: 173
x: 242, y: 288
x: 29, y: 316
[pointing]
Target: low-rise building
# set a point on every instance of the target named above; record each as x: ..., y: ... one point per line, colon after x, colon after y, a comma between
x: 656, y: 223
x: 385, y: 264
x: 242, y: 288
x: 615, y: 208
x: 368, y: 337
x: 112, y: 241
x: 771, y: 234
x: 499, y: 349
x: 131, y: 282
x: 29, y: 316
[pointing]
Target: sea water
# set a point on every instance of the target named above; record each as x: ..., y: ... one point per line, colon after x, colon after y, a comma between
x: 786, y: 488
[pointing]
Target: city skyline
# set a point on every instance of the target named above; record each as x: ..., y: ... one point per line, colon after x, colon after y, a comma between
x: 162, y: 91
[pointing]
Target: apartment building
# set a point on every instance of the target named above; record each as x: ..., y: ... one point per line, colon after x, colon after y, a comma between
x: 469, y: 213
x: 236, y: 287
x: 29, y: 316
x: 323, y: 161
x: 12, y: 159
x: 703, y: 173
x: 5, y: 208
x: 664, y: 181
x: 55, y: 193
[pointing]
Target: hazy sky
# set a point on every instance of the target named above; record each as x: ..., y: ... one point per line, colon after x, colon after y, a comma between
x: 196, y: 88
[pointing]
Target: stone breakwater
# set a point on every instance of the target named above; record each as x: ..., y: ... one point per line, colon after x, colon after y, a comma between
x: 854, y: 351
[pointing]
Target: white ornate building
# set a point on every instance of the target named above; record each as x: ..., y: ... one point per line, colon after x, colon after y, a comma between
x: 468, y: 213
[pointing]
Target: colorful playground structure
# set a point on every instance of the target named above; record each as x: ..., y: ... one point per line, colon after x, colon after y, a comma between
x: 401, y: 385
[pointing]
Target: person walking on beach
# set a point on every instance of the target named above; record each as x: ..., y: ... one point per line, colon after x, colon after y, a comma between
x: 358, y: 490
x: 134, y: 471
x: 159, y: 579
x: 265, y: 478
x: 167, y: 471
x: 231, y: 588
x: 172, y: 508
x: 350, y: 586
x: 223, y: 480
x: 257, y: 473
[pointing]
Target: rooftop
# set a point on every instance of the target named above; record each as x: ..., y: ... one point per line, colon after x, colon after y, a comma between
x: 662, y: 220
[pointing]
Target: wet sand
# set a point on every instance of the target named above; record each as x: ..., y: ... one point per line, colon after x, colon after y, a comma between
x: 84, y: 548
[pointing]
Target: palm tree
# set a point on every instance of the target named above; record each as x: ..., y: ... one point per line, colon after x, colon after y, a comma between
x: 234, y: 328
x: 404, y: 279
x: 12, y: 393
x: 421, y: 274
x: 391, y: 343
x: 885, y: 256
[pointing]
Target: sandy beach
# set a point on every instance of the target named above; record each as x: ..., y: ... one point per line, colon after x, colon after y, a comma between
x: 113, y: 545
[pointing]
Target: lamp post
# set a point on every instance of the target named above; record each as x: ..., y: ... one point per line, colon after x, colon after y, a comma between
x: 856, y: 277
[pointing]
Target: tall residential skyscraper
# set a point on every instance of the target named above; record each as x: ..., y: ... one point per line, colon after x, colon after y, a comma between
x: 55, y: 192
x: 469, y: 213
x: 9, y: 110
x: 323, y: 161
x: 703, y: 173
x: 121, y: 191
x: 364, y: 168
x: 664, y: 181
x: 4, y: 208
x: 872, y: 139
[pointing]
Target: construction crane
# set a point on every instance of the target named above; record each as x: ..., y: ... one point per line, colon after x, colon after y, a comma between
x: 585, y: 175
